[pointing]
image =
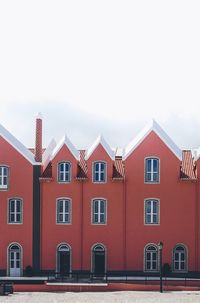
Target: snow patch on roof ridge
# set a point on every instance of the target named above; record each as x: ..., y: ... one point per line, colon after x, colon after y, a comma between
x: 102, y: 141
x: 25, y: 152
x: 153, y: 126
x: 65, y: 141
x: 196, y: 153
x: 48, y: 152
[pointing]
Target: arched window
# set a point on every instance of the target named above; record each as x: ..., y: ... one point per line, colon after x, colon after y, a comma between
x: 99, y: 215
x: 152, y: 170
x: 99, y: 172
x: 151, y: 258
x: 179, y: 258
x: 15, y: 211
x: 63, y: 211
x: 152, y: 211
x: 15, y: 260
x: 64, y: 171
x: 4, y: 176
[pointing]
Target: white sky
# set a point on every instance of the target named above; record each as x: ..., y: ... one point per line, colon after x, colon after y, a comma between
x: 100, y: 67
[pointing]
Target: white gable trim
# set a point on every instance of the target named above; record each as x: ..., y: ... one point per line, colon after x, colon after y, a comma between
x: 16, y: 144
x: 65, y: 141
x: 47, y: 154
x: 100, y: 140
x: 153, y: 126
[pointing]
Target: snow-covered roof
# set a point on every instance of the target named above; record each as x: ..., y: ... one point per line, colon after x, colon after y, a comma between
x: 153, y: 126
x: 47, y: 154
x: 196, y: 153
x: 100, y: 140
x: 14, y: 142
x: 65, y: 141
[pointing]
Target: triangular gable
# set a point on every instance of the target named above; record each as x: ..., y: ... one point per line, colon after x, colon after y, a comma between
x: 47, y: 154
x: 65, y: 141
x: 16, y: 144
x: 104, y: 144
x: 153, y: 126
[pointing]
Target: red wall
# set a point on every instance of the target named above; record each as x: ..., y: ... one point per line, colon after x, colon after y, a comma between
x: 53, y: 234
x: 21, y: 186
x: 111, y: 234
x: 177, y: 205
x: 177, y: 211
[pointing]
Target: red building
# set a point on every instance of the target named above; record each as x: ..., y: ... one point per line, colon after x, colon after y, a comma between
x: 99, y: 210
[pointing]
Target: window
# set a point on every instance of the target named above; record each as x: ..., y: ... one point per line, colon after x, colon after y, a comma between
x: 64, y: 211
x: 15, y: 211
x: 99, y: 211
x: 179, y: 258
x: 64, y: 172
x: 152, y: 170
x: 99, y: 172
x: 4, y: 173
x: 152, y: 211
x: 151, y: 258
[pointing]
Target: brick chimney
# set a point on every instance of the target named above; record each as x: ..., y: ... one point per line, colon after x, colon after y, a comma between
x: 38, y: 138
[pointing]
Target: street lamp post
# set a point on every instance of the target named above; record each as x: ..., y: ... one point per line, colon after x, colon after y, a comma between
x: 160, y: 248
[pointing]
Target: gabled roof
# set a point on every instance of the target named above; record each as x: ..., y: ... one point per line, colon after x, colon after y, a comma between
x: 47, y: 154
x: 16, y: 144
x: 65, y: 141
x: 153, y: 126
x: 104, y: 144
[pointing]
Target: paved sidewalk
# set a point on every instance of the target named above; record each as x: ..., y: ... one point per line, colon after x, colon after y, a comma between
x: 104, y: 297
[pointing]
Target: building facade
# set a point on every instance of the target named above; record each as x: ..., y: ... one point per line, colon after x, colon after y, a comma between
x: 98, y: 210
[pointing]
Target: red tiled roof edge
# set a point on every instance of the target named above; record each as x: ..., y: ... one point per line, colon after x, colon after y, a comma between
x: 188, y: 168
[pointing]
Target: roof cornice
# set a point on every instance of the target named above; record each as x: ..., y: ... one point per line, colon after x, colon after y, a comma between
x: 65, y: 141
x: 104, y: 144
x: 47, y: 154
x: 155, y: 127
x: 16, y: 144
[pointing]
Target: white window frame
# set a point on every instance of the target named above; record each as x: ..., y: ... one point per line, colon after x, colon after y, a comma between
x: 152, y: 214
x: 151, y: 261
x: 4, y: 186
x: 185, y: 251
x: 98, y: 213
x: 151, y: 172
x: 15, y: 213
x: 99, y: 172
x: 69, y: 172
x: 63, y: 199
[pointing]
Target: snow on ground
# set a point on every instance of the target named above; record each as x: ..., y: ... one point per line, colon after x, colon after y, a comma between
x: 103, y: 297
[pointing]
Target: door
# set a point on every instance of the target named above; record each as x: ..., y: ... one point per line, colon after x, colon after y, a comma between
x: 99, y: 260
x: 15, y: 260
x: 99, y: 263
x: 63, y: 260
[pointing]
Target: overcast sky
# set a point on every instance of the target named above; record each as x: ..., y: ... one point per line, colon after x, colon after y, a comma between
x: 104, y: 67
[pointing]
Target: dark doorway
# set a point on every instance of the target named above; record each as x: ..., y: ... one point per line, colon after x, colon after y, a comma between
x: 63, y: 260
x: 99, y: 260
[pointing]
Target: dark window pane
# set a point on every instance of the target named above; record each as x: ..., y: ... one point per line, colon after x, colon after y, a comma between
x: 95, y: 218
x: 155, y: 165
x: 182, y: 256
x: 102, y: 218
